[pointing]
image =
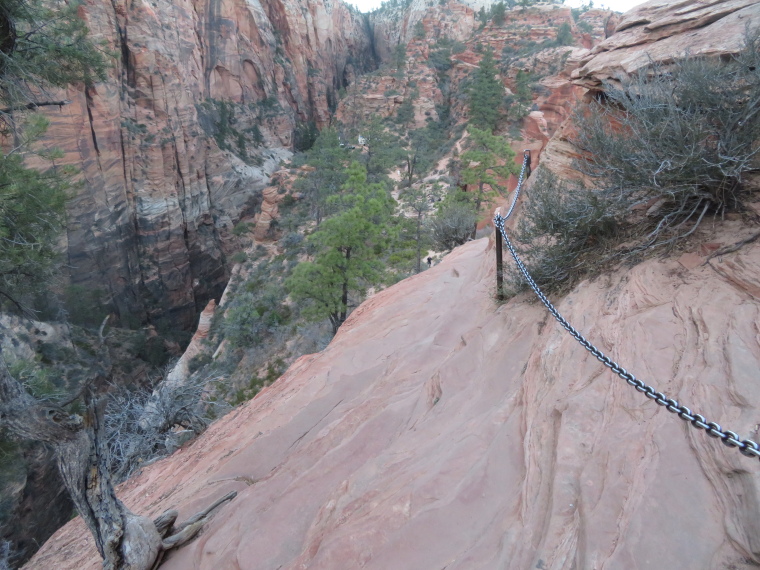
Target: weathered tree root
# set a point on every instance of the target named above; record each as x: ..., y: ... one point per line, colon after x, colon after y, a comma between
x: 732, y: 248
x: 174, y: 537
x: 124, y: 540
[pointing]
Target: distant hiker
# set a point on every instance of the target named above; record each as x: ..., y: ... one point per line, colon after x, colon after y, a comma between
x: 430, y: 261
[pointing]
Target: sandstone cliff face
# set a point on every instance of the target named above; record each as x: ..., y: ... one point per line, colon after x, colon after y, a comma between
x: 440, y: 429
x: 393, y: 26
x: 661, y: 31
x: 524, y: 42
x: 150, y: 222
x: 653, y: 32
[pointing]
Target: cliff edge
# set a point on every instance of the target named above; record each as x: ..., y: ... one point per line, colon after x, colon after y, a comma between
x: 440, y: 429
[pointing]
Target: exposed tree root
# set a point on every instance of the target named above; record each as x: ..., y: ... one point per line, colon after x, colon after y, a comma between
x: 126, y: 541
x: 732, y: 248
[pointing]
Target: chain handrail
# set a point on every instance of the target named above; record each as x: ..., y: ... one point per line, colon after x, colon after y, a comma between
x: 698, y: 421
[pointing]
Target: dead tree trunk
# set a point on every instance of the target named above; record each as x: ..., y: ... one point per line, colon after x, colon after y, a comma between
x: 126, y: 541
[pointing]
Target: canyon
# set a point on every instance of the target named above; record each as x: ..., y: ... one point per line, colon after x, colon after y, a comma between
x: 441, y: 428
x: 200, y: 107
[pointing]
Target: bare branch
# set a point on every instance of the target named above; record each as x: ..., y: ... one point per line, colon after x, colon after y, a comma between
x: 33, y: 105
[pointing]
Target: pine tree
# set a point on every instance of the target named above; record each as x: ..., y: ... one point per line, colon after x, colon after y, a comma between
x: 419, y: 30
x: 486, y: 94
x: 522, y: 86
x: 382, y: 149
x: 31, y: 217
x: 329, y: 162
x: 405, y: 112
x: 565, y: 35
x: 347, y: 247
x: 498, y: 13
x: 420, y: 201
x: 482, y: 165
x: 40, y: 48
x: 399, y: 59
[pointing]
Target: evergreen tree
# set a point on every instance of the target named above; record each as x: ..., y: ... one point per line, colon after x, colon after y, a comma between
x: 420, y: 201
x: 405, y: 112
x: 418, y: 157
x: 482, y: 165
x: 522, y: 87
x: 498, y: 13
x: 523, y: 98
x: 31, y: 217
x: 382, y: 149
x: 419, y: 30
x: 347, y: 247
x: 399, y: 58
x: 483, y: 17
x: 486, y: 94
x: 329, y: 162
x: 565, y: 35
x: 40, y: 48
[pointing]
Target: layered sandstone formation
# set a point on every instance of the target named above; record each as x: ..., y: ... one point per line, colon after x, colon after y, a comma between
x: 181, y: 370
x: 150, y: 221
x: 396, y: 25
x: 441, y: 429
x: 658, y: 31
x: 654, y: 32
x: 525, y: 41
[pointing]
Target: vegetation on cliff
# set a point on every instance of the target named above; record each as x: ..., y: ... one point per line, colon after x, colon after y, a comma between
x: 40, y: 49
x: 659, y: 154
x: 347, y: 249
x: 43, y: 48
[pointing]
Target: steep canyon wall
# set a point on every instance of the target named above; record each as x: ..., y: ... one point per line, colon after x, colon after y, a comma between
x: 150, y: 221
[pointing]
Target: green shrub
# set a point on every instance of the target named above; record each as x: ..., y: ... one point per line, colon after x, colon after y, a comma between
x: 564, y: 35
x: 85, y: 306
x: 199, y: 361
x: 585, y: 27
x: 453, y: 222
x: 419, y: 30
x: 563, y: 231
x: 242, y: 228
x: 663, y: 149
x: 682, y: 138
x: 238, y: 257
x: 255, y: 314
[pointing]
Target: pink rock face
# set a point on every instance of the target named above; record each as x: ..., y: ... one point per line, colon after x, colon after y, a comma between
x: 659, y: 31
x: 441, y: 429
x: 181, y: 370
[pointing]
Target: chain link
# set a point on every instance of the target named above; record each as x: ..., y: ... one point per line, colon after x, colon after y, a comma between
x: 698, y: 421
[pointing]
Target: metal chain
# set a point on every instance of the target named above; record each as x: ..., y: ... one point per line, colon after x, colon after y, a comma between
x: 698, y: 421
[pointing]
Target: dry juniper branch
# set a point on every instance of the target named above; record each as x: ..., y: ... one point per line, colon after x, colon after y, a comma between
x: 125, y: 541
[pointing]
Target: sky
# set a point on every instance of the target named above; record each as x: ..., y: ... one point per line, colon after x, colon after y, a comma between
x: 618, y: 5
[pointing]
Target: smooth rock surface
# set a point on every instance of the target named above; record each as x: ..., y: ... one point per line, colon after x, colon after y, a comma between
x: 659, y: 32
x: 441, y: 429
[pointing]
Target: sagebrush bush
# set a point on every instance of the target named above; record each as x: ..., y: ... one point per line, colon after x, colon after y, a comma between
x: 138, y: 422
x: 663, y: 150
x: 682, y: 137
x: 452, y: 224
x: 565, y: 230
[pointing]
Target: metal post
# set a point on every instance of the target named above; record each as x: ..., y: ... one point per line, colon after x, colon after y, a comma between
x: 499, y: 267
x: 526, y: 154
